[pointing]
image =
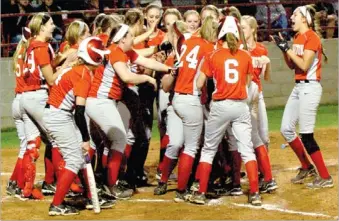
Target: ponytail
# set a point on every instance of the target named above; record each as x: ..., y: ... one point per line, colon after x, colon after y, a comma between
x: 232, y: 42
x: 20, y: 49
x: 315, y: 25
x: 209, y: 29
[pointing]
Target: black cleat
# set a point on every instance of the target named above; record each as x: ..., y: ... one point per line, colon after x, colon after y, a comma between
x: 62, y: 210
x: 161, y: 189
x: 303, y: 174
x: 254, y: 199
x: 48, y: 189
x: 268, y: 187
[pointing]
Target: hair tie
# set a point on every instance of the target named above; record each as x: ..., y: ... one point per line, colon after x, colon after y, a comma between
x: 81, y: 26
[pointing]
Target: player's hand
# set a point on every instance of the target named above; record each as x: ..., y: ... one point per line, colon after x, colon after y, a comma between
x: 280, y: 42
x: 153, y: 82
x: 85, y: 146
x: 264, y: 60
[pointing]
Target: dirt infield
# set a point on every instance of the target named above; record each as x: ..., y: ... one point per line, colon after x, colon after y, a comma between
x: 289, y: 202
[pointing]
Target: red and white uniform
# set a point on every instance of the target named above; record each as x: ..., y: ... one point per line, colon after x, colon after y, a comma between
x: 308, y: 41
x: 71, y: 83
x: 16, y: 112
x: 229, y: 72
x: 157, y: 40
x: 107, y: 83
x: 38, y: 54
x: 193, y: 50
x: 33, y: 100
x: 256, y: 53
x: 304, y: 100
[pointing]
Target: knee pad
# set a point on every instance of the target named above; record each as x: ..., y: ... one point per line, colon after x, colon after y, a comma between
x: 310, y: 144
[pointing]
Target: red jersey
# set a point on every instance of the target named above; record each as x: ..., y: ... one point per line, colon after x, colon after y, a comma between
x: 157, y: 40
x: 192, y: 52
x: 256, y: 53
x: 19, y: 76
x: 308, y: 41
x: 229, y: 73
x: 38, y: 54
x: 106, y: 82
x: 71, y: 83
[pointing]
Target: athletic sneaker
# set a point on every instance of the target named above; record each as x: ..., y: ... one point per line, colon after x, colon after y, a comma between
x: 10, y: 188
x: 62, y: 210
x: 120, y: 192
x: 18, y: 194
x: 236, y: 191
x: 48, y: 189
x: 303, y: 174
x: 254, y: 199
x: 182, y: 196
x: 321, y: 183
x: 198, y: 198
x: 161, y: 189
x: 104, y: 204
x: 268, y: 187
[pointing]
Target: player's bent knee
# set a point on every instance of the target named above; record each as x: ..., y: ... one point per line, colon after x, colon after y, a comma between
x: 309, y: 142
x: 287, y: 133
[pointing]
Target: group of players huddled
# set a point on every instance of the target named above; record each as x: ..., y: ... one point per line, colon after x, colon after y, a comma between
x: 203, y: 70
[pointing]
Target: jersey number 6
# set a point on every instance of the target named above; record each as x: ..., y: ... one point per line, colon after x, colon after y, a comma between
x: 231, y: 74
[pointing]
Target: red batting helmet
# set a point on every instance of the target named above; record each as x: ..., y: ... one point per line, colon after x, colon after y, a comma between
x: 92, y: 50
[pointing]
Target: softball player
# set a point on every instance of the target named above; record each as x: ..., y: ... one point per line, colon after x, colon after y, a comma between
x: 106, y: 91
x: 192, y: 19
x: 231, y: 69
x: 38, y: 75
x: 185, y: 101
x: 260, y: 63
x: 17, y: 178
x: 305, y: 58
x: 70, y: 131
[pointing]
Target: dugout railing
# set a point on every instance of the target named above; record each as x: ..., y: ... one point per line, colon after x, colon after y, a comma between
x: 6, y: 46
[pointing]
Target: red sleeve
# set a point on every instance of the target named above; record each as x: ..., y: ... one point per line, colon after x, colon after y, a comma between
x: 42, y: 56
x: 82, y: 86
x: 250, y: 65
x: 312, y: 43
x: 132, y: 55
x: 206, y: 67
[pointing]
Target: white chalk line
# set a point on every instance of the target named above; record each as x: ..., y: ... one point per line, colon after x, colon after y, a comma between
x: 213, y: 202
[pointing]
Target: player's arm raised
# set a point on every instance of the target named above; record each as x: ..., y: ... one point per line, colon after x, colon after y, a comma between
x: 128, y: 77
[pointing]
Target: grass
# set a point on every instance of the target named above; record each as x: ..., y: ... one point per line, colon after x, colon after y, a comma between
x: 327, y: 116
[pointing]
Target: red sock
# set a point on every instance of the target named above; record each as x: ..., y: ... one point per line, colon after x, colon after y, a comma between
x: 163, y: 145
x: 64, y: 183
x: 16, y: 170
x: 236, y: 167
x: 113, y: 167
x: 204, y: 175
x: 252, y: 174
x: 166, y: 167
x: 56, y: 160
x: 298, y: 148
x: 184, y: 170
x: 318, y: 160
x: 49, y: 171
x: 264, y: 162
x: 20, y: 176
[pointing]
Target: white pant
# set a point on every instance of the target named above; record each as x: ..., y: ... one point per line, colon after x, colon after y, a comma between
x: 263, y: 120
x: 61, y: 127
x: 104, y: 112
x: 32, y: 105
x: 222, y: 114
x: 19, y: 124
x: 175, y: 132
x: 189, y: 109
x: 301, y: 107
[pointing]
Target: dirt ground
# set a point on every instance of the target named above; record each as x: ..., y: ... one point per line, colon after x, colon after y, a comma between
x: 292, y: 202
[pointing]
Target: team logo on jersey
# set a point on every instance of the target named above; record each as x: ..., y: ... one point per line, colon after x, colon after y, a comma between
x: 298, y: 49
